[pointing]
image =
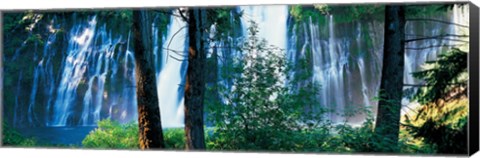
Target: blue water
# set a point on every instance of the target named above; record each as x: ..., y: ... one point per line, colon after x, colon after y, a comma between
x: 58, y: 135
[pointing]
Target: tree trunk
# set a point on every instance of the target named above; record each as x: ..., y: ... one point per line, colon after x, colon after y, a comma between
x: 391, y: 86
x: 195, y: 81
x: 149, y: 123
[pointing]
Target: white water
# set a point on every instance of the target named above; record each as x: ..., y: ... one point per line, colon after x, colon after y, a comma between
x: 85, y: 94
x: 271, y: 20
x: 414, y: 58
x: 74, y: 68
x: 91, y: 57
x: 170, y: 79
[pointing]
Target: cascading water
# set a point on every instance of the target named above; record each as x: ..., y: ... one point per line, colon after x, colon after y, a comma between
x: 349, y: 69
x: 43, y: 69
x: 271, y: 20
x: 92, y: 60
x: 96, y: 77
x: 170, y: 79
x: 73, y: 70
x: 421, y: 51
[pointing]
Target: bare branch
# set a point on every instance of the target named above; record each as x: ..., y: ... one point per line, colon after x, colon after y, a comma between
x: 168, y: 13
x: 178, y: 59
x: 436, y: 20
x: 183, y: 16
x: 433, y: 46
x: 441, y: 37
x: 170, y: 42
x: 410, y: 108
x: 425, y: 85
x: 415, y: 85
x: 179, y: 52
x: 444, y: 35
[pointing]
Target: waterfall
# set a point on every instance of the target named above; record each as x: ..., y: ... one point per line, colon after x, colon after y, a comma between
x: 170, y: 79
x: 348, y: 67
x: 95, y: 75
x: 94, y: 62
x: 271, y: 20
x: 73, y: 70
x: 419, y: 52
x: 96, y: 78
x: 84, y: 96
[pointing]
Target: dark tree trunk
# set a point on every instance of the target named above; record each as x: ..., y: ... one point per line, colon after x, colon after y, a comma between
x: 391, y: 86
x: 149, y: 123
x: 195, y: 81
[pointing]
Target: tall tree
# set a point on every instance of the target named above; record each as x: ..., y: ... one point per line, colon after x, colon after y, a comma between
x: 195, y: 80
x: 389, y: 106
x: 150, y: 125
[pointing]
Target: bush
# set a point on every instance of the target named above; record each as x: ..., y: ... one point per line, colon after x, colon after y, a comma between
x: 265, y: 109
x: 10, y: 137
x: 441, y: 121
x: 445, y: 129
x: 113, y: 135
x: 174, y: 138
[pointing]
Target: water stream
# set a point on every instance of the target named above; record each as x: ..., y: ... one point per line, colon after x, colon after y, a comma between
x: 97, y: 77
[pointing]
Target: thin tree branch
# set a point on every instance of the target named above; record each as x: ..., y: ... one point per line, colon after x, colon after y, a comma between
x: 444, y: 35
x: 406, y: 112
x: 170, y: 42
x: 424, y: 85
x: 434, y: 37
x: 433, y: 46
x: 415, y: 85
x: 181, y: 53
x: 408, y: 107
x: 436, y: 20
x: 178, y: 59
x: 168, y: 13
x: 183, y: 16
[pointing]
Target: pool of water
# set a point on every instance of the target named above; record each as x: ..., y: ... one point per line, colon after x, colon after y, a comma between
x: 58, y: 135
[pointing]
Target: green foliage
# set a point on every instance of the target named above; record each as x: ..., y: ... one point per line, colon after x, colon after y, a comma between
x: 442, y: 119
x: 260, y: 112
x: 174, y: 138
x: 351, y: 13
x: 11, y: 21
x: 113, y: 135
x: 446, y: 74
x: 252, y: 112
x: 225, y: 20
x: 444, y: 128
x: 303, y: 13
x: 341, y: 13
x: 419, y: 11
x: 10, y: 137
x: 361, y: 12
x: 356, y: 139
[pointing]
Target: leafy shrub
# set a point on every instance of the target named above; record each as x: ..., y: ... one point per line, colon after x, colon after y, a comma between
x: 444, y: 128
x: 113, y: 135
x: 259, y: 112
x: 442, y: 119
x: 10, y: 137
x: 174, y: 138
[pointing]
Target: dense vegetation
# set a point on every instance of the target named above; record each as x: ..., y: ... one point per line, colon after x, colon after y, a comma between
x: 12, y: 137
x: 444, y: 114
x: 269, y: 103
